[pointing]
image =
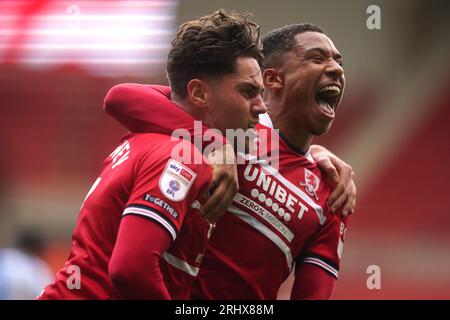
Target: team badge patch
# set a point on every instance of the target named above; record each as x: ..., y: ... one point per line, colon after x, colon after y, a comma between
x: 176, y: 180
x: 311, y: 183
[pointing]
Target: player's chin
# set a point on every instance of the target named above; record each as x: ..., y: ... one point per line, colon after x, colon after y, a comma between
x: 321, y: 125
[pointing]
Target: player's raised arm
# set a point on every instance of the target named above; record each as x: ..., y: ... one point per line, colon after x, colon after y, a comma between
x: 148, y: 108
x: 344, y: 192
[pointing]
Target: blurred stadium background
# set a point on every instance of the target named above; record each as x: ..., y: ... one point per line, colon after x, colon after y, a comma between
x: 59, y: 58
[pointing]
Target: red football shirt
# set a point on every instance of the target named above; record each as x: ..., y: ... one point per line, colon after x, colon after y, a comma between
x: 139, y: 178
x: 279, y: 217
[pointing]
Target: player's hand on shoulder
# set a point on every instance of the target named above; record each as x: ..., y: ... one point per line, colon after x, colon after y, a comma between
x: 224, y: 183
x: 342, y: 175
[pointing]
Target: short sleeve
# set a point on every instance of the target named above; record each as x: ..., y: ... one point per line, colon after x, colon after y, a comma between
x: 325, y: 248
x: 165, y: 190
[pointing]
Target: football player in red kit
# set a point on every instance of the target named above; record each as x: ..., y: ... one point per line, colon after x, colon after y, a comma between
x: 140, y: 234
x: 280, y: 219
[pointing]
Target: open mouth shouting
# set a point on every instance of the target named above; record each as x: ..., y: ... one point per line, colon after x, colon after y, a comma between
x: 327, y: 99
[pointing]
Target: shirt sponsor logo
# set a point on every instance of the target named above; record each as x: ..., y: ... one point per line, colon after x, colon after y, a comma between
x: 162, y: 204
x: 265, y: 214
x: 176, y: 180
x: 274, y: 194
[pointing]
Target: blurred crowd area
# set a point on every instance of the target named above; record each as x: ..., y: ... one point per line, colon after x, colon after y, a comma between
x: 58, y: 60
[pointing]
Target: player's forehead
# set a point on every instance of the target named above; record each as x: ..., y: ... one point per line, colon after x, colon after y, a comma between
x: 311, y: 40
x: 247, y: 71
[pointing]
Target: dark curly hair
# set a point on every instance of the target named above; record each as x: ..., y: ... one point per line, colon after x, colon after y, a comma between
x: 209, y: 46
x: 281, y: 40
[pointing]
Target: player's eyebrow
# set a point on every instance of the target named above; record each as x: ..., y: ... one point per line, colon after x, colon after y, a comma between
x: 323, y: 52
x: 256, y: 88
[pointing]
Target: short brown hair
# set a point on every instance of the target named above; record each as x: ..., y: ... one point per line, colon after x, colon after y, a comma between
x: 209, y: 46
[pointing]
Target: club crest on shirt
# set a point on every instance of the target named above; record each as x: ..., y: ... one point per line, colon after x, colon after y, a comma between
x: 176, y: 180
x: 311, y: 183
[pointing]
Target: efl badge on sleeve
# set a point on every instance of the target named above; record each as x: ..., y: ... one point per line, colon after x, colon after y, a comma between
x: 176, y: 180
x: 311, y: 183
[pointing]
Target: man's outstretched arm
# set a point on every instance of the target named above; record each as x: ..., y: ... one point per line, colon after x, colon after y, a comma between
x: 148, y: 108
x: 343, y: 177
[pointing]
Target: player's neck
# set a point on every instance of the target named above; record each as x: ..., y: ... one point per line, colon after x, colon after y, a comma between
x: 185, y: 105
x: 181, y: 103
x: 296, y: 138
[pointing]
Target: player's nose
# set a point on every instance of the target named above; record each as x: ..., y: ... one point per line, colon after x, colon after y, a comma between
x: 334, y: 69
x: 258, y: 107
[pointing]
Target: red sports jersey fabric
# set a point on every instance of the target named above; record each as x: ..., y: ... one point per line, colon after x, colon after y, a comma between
x: 140, y: 179
x: 275, y: 222
x: 142, y: 278
x: 312, y: 283
x: 278, y: 218
x: 135, y: 106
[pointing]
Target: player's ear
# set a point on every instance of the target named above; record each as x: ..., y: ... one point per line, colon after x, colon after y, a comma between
x: 197, y: 92
x: 272, y: 78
